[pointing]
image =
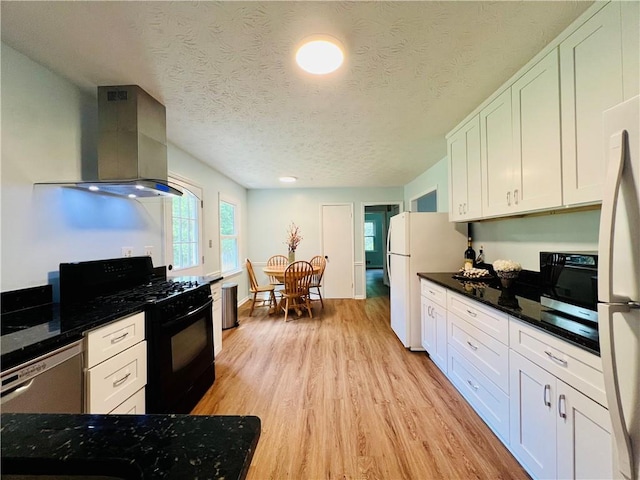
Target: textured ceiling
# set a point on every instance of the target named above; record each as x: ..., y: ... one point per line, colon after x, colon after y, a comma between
x: 236, y: 101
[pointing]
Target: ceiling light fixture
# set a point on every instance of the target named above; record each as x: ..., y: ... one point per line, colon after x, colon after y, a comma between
x: 320, y: 54
x: 288, y: 179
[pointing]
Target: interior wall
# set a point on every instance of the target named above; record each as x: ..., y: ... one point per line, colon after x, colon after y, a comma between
x: 435, y: 178
x: 49, y: 133
x: 522, y: 239
x: 213, y: 184
x: 48, y: 130
x: 270, y: 211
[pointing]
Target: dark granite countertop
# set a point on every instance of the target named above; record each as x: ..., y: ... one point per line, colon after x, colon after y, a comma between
x: 531, y: 311
x: 129, y: 446
x: 31, y: 332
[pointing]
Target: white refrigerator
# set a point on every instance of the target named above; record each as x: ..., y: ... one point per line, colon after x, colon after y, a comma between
x: 619, y: 283
x: 419, y: 242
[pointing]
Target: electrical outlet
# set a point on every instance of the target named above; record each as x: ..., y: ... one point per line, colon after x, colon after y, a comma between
x: 148, y: 251
x: 127, y: 251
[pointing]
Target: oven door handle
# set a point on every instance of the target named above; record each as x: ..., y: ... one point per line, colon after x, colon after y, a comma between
x: 193, y: 313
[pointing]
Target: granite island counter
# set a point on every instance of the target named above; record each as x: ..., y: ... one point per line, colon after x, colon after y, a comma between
x: 129, y: 446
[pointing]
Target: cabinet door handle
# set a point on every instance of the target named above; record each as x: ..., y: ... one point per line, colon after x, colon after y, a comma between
x: 120, y: 381
x: 515, y: 196
x: 472, y: 385
x: 464, y: 208
x: 509, y: 199
x: 473, y: 314
x: 429, y: 311
x: 460, y: 208
x: 562, y: 406
x: 547, y: 389
x: 473, y: 347
x: 121, y: 337
x: 556, y: 359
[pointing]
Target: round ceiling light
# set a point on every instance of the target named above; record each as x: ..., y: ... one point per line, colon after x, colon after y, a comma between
x: 320, y: 54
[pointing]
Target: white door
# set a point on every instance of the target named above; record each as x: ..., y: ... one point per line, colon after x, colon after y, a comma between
x: 337, y: 247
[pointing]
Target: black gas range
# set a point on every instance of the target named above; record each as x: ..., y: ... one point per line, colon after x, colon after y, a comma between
x: 178, y: 323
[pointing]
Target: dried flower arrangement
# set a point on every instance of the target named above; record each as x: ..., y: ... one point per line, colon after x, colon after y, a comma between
x: 293, y: 237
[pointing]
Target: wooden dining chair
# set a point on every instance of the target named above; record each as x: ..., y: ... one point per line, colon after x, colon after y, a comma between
x: 259, y: 289
x: 277, y: 260
x: 316, y: 279
x: 295, y: 294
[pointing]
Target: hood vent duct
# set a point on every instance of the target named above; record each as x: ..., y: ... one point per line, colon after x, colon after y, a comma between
x: 132, y: 145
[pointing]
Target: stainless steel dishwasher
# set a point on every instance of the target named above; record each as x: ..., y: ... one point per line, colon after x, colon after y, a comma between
x: 51, y: 383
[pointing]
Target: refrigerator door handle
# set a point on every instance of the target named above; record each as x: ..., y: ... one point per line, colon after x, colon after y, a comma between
x: 618, y: 141
x: 389, y: 254
x: 612, y: 385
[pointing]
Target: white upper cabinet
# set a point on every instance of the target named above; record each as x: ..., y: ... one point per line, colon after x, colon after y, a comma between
x: 496, y: 154
x: 591, y: 75
x: 464, y: 164
x: 537, y: 168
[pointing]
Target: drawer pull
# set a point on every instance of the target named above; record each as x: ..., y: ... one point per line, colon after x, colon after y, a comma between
x: 547, y: 388
x: 121, y: 337
x: 556, y: 359
x: 472, y: 313
x: 432, y: 292
x: 473, y: 347
x: 120, y: 381
x: 472, y: 385
x: 562, y: 406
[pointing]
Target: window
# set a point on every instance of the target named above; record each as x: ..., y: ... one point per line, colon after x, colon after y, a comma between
x: 229, y: 222
x: 369, y: 236
x: 185, y: 230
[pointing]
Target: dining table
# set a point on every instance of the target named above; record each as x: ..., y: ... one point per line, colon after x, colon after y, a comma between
x: 277, y: 272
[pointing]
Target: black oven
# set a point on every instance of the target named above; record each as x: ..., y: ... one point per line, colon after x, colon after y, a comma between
x: 178, y: 322
x: 570, y: 283
x: 180, y: 352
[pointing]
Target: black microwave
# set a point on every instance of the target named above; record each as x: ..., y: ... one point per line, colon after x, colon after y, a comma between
x: 569, y: 283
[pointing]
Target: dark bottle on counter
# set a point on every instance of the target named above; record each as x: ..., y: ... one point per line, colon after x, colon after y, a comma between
x: 469, y: 255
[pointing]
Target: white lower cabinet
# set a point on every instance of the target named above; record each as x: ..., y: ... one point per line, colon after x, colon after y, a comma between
x: 216, y: 296
x: 556, y: 431
x: 116, y: 367
x: 434, y: 332
x: 487, y: 399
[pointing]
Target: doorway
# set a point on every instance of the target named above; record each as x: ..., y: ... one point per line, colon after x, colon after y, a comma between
x: 375, y: 227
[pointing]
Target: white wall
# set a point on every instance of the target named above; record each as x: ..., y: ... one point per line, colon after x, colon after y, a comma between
x: 49, y: 133
x: 435, y: 177
x: 213, y: 184
x: 270, y: 211
x: 522, y: 239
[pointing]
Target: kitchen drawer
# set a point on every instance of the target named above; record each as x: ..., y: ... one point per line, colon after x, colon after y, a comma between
x: 433, y: 292
x: 489, y: 320
x: 113, y: 338
x: 573, y: 365
x: 134, y: 405
x: 216, y: 292
x: 489, y: 401
x: 113, y: 381
x: 487, y: 354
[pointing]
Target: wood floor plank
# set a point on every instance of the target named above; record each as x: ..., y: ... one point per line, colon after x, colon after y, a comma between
x: 340, y: 398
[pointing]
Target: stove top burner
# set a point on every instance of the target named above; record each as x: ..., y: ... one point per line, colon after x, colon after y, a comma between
x: 150, y: 292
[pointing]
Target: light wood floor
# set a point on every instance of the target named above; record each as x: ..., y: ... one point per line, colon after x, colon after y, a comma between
x: 340, y: 398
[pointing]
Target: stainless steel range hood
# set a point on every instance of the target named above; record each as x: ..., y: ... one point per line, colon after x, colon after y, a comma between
x: 132, y: 145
